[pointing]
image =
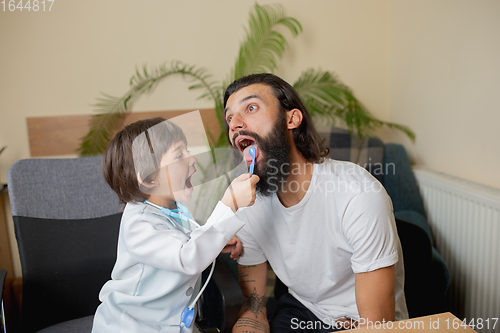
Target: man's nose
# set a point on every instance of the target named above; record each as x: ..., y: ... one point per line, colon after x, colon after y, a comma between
x: 237, y: 123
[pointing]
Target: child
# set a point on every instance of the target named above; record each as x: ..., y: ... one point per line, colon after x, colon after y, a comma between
x: 161, y: 253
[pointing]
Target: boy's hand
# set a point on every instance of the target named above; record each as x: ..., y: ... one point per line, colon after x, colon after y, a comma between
x: 241, y: 192
x: 234, y: 247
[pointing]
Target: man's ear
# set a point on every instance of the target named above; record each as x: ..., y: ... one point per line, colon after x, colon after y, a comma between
x: 149, y: 185
x: 294, y: 118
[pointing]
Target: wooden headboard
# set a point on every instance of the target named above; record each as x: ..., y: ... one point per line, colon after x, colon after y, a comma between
x: 61, y: 135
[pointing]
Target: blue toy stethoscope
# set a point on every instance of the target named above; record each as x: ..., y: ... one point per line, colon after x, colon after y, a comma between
x: 182, y: 213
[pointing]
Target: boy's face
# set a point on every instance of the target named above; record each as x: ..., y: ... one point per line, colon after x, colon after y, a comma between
x: 176, y: 169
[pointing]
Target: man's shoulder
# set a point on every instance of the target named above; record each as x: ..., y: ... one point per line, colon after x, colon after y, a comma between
x: 346, y: 176
x: 342, y: 169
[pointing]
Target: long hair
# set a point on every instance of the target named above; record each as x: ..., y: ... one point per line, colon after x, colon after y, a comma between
x: 306, y: 137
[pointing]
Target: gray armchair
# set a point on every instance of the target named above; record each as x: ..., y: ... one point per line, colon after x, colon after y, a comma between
x: 426, y: 286
x: 66, y: 220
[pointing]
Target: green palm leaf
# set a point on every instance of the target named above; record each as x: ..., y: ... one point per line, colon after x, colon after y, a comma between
x: 110, y: 110
x: 325, y: 96
x: 359, y: 120
x: 322, y: 89
x: 263, y: 44
x: 330, y: 100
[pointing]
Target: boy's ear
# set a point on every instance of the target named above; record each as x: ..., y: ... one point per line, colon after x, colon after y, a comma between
x: 150, y: 185
x: 294, y: 118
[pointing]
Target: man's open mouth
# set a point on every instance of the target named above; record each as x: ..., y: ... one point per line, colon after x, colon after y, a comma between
x: 243, y: 142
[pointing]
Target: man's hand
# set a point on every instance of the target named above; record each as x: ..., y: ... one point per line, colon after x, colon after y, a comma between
x: 375, y: 295
x: 253, y: 314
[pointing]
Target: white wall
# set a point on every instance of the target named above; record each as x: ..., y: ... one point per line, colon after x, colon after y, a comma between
x: 444, y: 82
x: 56, y: 63
x: 429, y: 64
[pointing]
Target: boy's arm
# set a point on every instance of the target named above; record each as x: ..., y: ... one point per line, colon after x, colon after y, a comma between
x: 375, y: 295
x: 253, y: 314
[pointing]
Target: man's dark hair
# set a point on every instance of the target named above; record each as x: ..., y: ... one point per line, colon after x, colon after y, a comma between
x: 138, y: 149
x: 306, y: 137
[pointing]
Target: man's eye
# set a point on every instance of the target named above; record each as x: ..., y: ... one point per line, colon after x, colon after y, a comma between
x: 179, y: 156
x: 252, y: 107
x: 228, y: 120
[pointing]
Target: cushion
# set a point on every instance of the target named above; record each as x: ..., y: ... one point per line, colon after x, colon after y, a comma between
x: 80, y: 325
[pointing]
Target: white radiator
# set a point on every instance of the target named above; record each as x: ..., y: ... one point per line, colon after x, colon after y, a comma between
x: 465, y: 221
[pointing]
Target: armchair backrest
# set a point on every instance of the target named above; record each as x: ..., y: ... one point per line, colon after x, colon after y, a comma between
x: 66, y: 220
x: 401, y: 184
x: 344, y: 146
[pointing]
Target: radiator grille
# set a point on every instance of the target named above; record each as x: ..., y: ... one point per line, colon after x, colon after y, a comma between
x: 465, y: 220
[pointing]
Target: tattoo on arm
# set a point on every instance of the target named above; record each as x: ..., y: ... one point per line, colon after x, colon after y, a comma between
x: 253, y: 311
x: 251, y: 325
x: 254, y: 303
x: 244, y: 278
x: 242, y: 274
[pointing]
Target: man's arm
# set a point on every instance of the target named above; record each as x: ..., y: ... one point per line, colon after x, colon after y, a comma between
x: 253, y: 314
x: 375, y: 295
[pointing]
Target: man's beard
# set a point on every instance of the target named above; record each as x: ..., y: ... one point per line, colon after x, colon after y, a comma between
x: 274, y: 150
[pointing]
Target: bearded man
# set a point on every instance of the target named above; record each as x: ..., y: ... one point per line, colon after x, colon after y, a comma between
x: 325, y: 227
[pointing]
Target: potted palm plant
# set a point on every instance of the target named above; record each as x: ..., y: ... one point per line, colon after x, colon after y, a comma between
x: 326, y: 97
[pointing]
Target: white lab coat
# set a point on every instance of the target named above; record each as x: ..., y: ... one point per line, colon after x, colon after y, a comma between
x: 157, y: 268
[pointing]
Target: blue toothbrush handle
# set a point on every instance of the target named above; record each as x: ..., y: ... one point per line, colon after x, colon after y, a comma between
x: 252, y: 153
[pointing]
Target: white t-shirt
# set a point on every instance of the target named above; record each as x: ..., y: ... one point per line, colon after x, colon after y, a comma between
x: 343, y: 225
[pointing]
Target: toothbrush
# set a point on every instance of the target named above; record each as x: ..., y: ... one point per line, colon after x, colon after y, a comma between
x: 252, y: 153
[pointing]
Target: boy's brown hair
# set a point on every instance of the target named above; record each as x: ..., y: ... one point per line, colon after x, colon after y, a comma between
x: 138, y: 149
